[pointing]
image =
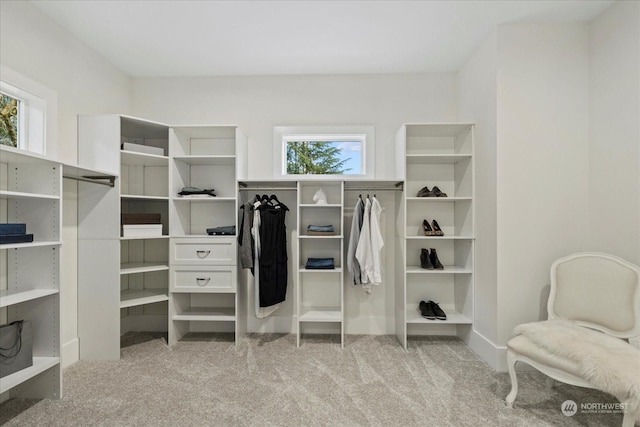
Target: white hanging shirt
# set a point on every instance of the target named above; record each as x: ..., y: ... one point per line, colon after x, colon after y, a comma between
x: 376, y: 241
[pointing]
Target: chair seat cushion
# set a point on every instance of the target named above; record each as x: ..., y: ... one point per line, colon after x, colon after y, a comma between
x: 522, y: 345
x: 607, y: 362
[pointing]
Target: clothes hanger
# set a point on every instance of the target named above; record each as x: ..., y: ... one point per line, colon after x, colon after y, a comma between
x: 278, y: 202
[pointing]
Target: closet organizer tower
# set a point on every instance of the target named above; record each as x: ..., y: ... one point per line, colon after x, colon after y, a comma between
x: 436, y: 155
x: 169, y: 282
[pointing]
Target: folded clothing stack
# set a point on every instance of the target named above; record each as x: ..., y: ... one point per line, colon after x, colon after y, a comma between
x: 14, y: 233
x: 226, y: 230
x: 320, y: 230
x: 320, y: 264
x: 196, y: 192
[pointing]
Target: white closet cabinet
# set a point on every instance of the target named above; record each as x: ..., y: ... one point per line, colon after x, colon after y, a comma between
x: 30, y: 192
x: 320, y: 293
x: 436, y: 155
x: 204, y: 276
x: 122, y: 281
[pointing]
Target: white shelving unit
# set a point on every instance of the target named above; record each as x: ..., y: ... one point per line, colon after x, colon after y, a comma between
x: 320, y: 293
x: 123, y: 281
x: 203, y: 279
x: 30, y: 192
x: 436, y: 155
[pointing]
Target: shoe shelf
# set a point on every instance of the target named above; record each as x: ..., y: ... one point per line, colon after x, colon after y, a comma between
x: 206, y: 314
x: 437, y: 155
x: 453, y: 317
x: 320, y: 314
x: 141, y: 267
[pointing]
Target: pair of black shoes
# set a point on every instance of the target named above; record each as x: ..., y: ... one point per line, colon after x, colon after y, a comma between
x: 434, y: 192
x: 431, y: 310
x: 429, y: 260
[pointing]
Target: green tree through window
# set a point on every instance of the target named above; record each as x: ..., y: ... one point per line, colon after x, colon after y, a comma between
x: 8, y: 120
x: 315, y: 158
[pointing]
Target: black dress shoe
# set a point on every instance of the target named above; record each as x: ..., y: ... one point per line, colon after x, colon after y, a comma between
x: 425, y: 262
x: 435, y: 191
x: 437, y: 231
x: 437, y: 311
x: 423, y: 192
x: 433, y: 257
x: 426, y: 310
x: 427, y: 229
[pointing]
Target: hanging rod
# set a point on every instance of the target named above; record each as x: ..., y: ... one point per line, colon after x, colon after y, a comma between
x: 398, y: 186
x: 94, y: 179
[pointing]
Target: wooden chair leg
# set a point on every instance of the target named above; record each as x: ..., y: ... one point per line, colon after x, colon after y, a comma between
x: 511, y: 362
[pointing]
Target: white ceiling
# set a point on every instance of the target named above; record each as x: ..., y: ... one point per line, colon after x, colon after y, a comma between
x: 198, y: 38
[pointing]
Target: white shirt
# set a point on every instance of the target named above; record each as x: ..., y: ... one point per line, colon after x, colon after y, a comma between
x: 376, y: 241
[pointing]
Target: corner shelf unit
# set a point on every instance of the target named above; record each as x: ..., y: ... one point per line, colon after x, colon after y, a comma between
x: 436, y: 155
x: 204, y: 296
x: 30, y: 192
x: 123, y: 282
x: 320, y: 293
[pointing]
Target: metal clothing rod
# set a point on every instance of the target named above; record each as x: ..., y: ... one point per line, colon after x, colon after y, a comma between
x: 94, y: 179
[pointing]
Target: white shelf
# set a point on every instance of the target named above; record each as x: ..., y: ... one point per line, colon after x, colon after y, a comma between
x: 40, y: 364
x: 207, y: 314
x: 453, y: 318
x: 33, y: 244
x: 313, y: 205
x: 203, y: 199
x: 436, y: 159
x: 22, y: 195
x: 164, y: 236
x: 320, y: 270
x: 320, y: 314
x: 306, y: 236
x: 140, y: 197
x: 448, y: 269
x: 141, y: 267
x: 206, y: 160
x: 133, y: 158
x: 11, y: 297
x: 132, y: 298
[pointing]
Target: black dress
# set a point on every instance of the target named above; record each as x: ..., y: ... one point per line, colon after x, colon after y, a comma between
x: 273, y: 253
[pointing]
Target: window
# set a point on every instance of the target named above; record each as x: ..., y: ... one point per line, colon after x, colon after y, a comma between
x: 27, y: 114
x: 10, y: 118
x: 324, y: 154
x: 314, y: 152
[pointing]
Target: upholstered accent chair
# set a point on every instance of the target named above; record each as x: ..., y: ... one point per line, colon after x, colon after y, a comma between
x: 592, y: 335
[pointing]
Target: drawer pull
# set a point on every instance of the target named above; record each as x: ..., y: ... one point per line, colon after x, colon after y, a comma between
x: 202, y: 281
x: 203, y: 254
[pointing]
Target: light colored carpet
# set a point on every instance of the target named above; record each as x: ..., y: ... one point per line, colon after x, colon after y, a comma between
x: 206, y: 380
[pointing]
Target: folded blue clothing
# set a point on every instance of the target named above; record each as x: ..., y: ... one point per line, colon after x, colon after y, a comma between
x: 19, y: 228
x: 321, y: 228
x: 320, y: 264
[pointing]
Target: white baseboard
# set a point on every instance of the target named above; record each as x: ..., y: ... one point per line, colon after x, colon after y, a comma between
x: 495, y: 356
x: 70, y: 353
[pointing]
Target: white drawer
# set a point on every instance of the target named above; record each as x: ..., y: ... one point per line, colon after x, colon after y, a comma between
x: 204, y: 279
x: 207, y: 251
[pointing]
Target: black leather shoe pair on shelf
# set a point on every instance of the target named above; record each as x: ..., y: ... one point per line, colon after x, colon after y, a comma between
x: 429, y: 260
x: 433, y: 229
x: 431, y: 310
x: 434, y: 192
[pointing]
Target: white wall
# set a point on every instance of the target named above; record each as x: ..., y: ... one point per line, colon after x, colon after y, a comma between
x: 34, y: 46
x: 257, y: 104
x: 614, y: 132
x: 477, y: 103
x: 542, y: 161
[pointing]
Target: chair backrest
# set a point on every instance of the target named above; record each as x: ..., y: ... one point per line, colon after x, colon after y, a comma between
x: 596, y: 290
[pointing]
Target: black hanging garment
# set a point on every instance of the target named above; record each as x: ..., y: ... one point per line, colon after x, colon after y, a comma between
x: 273, y: 256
